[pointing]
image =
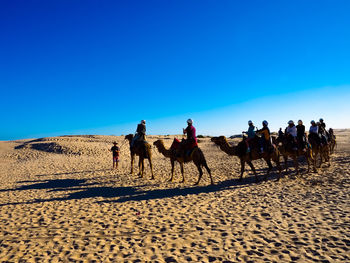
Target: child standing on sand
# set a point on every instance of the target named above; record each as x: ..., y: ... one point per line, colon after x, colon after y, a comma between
x: 115, y: 150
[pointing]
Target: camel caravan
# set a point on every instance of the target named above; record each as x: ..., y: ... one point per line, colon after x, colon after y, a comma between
x: 293, y: 143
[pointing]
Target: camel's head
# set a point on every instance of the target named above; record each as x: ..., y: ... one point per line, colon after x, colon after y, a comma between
x: 218, y: 140
x: 129, y: 137
x: 158, y: 143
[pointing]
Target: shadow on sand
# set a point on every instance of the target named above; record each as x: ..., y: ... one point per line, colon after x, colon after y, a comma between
x: 81, y: 189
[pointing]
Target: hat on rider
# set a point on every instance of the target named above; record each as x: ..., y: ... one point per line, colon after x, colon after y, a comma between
x: 291, y: 122
x: 300, y: 122
x: 190, y: 121
x: 312, y: 122
x: 250, y: 122
x: 265, y: 123
x: 143, y: 122
x: 321, y: 119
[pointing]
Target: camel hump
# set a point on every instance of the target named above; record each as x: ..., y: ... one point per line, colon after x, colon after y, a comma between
x: 176, y: 144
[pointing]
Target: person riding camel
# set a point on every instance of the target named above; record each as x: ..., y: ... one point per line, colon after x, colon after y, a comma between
x: 265, y: 142
x: 291, y: 135
x: 322, y: 124
x: 313, y: 132
x: 280, y: 133
x: 301, y: 139
x: 250, y: 133
x: 191, y: 141
x: 322, y: 132
x: 140, y: 133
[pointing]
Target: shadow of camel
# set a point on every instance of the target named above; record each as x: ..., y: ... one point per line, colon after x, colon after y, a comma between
x: 75, y: 172
x: 50, y: 184
x: 84, y: 190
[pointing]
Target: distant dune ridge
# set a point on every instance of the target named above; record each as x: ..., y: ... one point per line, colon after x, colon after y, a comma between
x: 61, y: 201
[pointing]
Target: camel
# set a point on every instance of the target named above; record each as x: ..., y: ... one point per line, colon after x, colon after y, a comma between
x: 196, y: 156
x: 144, y: 151
x: 241, y: 153
x: 286, y: 152
x: 318, y: 149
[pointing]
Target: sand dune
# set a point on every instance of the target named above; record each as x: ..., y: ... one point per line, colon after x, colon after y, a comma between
x: 61, y: 202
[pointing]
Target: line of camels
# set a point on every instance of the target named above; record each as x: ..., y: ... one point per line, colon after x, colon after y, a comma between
x: 312, y: 152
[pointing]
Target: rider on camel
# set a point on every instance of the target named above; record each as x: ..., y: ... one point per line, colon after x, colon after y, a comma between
x: 301, y: 135
x: 291, y: 133
x: 265, y: 139
x: 250, y: 133
x: 140, y: 133
x: 191, y: 141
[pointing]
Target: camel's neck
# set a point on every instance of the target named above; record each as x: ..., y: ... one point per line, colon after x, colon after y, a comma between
x: 230, y: 150
x: 130, y: 140
x: 161, y: 148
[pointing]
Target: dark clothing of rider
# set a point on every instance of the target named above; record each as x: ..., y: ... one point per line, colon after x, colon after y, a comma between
x: 322, y: 132
x: 301, y: 135
x: 300, y: 130
x: 323, y: 125
x: 140, y: 134
x: 141, y: 129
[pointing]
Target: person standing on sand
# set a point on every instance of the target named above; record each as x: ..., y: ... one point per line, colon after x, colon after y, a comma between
x: 115, y: 150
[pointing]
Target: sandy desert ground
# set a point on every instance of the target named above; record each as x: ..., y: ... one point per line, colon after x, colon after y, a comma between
x: 61, y: 202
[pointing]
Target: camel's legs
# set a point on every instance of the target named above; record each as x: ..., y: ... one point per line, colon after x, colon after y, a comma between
x: 182, y: 171
x: 209, y: 172
x: 200, y: 174
x: 315, y: 155
x: 151, y: 166
x: 141, y: 167
x: 268, y: 161
x: 132, y: 163
x: 314, y: 164
x: 242, y: 169
x: 279, y: 167
x: 285, y: 162
x: 172, y: 170
x: 295, y: 160
x: 276, y: 160
x: 252, y: 167
x: 308, y: 162
x: 312, y: 159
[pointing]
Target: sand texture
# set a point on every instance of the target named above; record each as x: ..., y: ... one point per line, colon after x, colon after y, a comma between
x: 60, y: 201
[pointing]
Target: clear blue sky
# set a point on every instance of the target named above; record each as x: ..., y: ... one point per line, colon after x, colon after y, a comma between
x: 99, y: 67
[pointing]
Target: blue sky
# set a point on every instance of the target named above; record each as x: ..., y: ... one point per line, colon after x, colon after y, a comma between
x: 99, y: 67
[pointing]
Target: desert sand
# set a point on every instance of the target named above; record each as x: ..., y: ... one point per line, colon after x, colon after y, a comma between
x: 61, y: 202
